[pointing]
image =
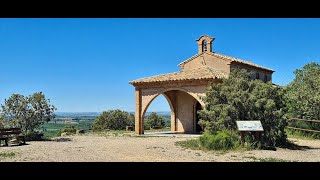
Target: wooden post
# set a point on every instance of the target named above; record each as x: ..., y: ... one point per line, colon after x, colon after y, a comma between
x: 257, y: 135
x: 242, y: 137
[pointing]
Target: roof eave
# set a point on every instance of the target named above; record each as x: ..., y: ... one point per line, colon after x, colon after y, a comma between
x: 180, y: 80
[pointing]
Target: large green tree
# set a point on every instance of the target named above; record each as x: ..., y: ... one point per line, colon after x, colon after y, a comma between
x: 2, y: 122
x: 113, y: 119
x: 303, y: 93
x: 241, y: 98
x: 27, y: 112
x: 155, y: 121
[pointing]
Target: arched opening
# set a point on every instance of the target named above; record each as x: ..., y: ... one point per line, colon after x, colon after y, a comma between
x: 204, y: 46
x: 183, y: 106
x: 160, y: 105
x: 197, y: 108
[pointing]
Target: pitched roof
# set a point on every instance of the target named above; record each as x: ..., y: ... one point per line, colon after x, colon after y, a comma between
x: 200, y: 73
x: 229, y: 58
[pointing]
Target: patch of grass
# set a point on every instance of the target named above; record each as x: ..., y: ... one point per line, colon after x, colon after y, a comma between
x: 220, y: 143
x: 7, y: 154
x: 51, y: 130
x: 301, y: 135
x: 190, y: 144
x: 250, y: 157
x: 221, y: 140
x: 273, y: 160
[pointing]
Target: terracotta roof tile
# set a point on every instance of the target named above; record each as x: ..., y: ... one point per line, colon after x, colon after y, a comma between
x: 203, y: 72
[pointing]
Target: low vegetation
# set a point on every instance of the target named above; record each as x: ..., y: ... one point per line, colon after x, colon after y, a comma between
x: 154, y: 121
x: 241, y: 98
x: 193, y: 144
x: 221, y: 140
x: 302, y: 134
x: 273, y: 160
x: 7, y: 154
x: 302, y: 98
x: 113, y: 120
x: 224, y: 140
x: 51, y: 130
x: 69, y: 130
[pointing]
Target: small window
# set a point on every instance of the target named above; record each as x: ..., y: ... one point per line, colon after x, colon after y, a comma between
x: 257, y: 75
x: 265, y: 78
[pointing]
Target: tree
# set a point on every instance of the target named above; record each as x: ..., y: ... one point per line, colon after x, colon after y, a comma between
x: 302, y: 95
x: 2, y: 122
x: 241, y: 98
x: 113, y: 119
x: 155, y: 121
x: 27, y: 113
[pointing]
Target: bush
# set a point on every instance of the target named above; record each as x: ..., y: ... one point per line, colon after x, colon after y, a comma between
x: 154, y: 121
x: 34, y: 136
x: 114, y: 120
x: 241, y: 98
x: 222, y: 140
x: 68, y: 129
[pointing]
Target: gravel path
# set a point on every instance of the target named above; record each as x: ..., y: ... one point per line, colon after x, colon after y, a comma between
x: 88, y: 148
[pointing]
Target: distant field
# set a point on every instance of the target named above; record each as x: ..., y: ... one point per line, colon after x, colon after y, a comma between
x: 81, y: 121
x: 51, y: 129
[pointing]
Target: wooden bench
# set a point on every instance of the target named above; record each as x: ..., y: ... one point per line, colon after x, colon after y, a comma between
x: 9, y: 133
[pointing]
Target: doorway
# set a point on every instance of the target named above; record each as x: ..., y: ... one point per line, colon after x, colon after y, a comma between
x: 198, y: 107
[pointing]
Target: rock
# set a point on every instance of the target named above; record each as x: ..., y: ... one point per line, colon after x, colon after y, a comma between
x: 80, y: 131
x: 65, y: 134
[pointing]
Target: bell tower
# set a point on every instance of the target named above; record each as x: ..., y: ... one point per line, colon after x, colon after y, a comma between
x: 205, y: 44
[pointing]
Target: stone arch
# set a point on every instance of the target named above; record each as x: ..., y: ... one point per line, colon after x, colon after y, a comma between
x: 151, y: 100
x: 180, y: 122
x: 184, y: 90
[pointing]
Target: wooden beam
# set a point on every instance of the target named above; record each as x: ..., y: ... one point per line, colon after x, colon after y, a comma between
x: 309, y: 130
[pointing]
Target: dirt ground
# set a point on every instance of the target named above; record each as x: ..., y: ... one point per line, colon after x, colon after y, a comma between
x: 97, y: 148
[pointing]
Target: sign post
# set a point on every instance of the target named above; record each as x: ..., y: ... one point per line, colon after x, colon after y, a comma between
x: 250, y: 126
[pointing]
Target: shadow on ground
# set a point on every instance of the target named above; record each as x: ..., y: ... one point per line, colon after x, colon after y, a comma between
x: 292, y: 146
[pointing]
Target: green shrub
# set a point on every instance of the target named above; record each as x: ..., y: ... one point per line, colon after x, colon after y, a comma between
x: 68, y: 129
x: 34, y: 136
x: 190, y: 143
x: 146, y: 126
x: 113, y: 120
x: 241, y: 98
x: 154, y: 121
x: 222, y: 140
x: 7, y: 154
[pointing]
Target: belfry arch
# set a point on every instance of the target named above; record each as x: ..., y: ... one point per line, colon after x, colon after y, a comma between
x: 184, y: 90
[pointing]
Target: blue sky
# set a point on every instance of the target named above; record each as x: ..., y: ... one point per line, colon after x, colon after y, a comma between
x: 84, y: 65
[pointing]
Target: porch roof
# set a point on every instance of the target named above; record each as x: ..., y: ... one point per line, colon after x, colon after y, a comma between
x: 201, y: 73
